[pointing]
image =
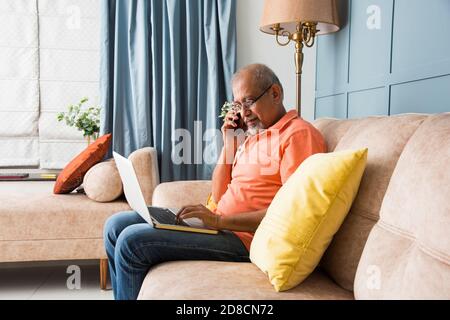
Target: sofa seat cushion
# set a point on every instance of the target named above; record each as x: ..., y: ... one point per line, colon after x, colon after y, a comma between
x: 30, y: 211
x: 51, y: 250
x: 217, y: 280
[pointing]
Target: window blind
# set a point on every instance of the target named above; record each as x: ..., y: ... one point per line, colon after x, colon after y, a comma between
x: 49, y: 58
x: 19, y: 83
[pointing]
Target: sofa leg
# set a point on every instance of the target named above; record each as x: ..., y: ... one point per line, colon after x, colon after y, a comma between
x: 103, y: 273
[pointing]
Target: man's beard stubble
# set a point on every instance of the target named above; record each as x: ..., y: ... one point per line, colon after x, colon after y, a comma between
x: 254, y: 130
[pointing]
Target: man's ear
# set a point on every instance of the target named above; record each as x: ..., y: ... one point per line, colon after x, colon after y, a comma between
x: 277, y: 94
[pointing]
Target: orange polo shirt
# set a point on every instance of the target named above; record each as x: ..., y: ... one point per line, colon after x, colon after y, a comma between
x: 264, y: 162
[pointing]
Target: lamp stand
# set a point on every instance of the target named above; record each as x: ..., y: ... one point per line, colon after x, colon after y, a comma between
x: 305, y: 34
x: 298, y: 74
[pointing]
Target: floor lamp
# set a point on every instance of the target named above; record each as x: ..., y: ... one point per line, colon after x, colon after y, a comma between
x: 299, y: 21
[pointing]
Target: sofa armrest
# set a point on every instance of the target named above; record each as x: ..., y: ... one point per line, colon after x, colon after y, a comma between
x: 181, y: 193
x: 145, y: 164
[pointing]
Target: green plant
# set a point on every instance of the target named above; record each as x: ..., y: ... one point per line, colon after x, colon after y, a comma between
x: 84, y: 118
x: 225, y: 108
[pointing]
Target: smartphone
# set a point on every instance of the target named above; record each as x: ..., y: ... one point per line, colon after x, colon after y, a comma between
x: 239, y: 121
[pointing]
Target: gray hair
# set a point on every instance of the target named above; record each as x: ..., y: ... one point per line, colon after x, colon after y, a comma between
x: 263, y: 75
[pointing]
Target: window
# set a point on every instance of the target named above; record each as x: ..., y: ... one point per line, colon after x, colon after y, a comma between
x: 49, y: 58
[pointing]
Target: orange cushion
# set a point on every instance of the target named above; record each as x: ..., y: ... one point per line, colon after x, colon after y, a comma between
x: 73, y: 174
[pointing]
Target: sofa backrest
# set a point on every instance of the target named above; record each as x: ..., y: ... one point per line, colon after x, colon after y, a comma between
x: 407, y: 254
x: 385, y: 137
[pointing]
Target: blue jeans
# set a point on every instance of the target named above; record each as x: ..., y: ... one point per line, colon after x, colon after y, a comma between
x: 133, y: 246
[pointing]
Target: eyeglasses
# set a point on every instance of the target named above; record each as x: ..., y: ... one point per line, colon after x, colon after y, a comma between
x: 248, y: 103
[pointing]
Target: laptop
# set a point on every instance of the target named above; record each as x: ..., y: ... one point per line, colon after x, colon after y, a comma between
x: 158, y: 217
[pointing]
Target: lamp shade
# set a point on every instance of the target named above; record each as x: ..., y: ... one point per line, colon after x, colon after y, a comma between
x: 288, y: 13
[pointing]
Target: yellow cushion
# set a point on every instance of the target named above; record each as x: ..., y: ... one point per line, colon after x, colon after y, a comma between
x: 305, y: 214
x: 210, y: 204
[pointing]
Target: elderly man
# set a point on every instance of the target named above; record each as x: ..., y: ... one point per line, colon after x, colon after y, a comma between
x: 245, y: 180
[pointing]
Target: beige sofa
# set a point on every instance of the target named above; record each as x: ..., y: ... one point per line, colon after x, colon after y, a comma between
x: 394, y: 243
x: 37, y: 225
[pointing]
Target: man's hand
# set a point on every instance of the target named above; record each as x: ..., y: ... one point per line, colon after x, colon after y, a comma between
x: 244, y: 222
x: 230, y: 121
x: 209, y: 218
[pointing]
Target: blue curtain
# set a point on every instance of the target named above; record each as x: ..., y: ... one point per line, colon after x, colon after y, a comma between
x: 166, y: 64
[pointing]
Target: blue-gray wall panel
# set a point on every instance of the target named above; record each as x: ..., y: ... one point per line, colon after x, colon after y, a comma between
x: 368, y: 102
x: 332, y: 61
x: 370, y: 39
x: 424, y: 96
x: 421, y: 33
x: 401, y: 47
x: 332, y: 107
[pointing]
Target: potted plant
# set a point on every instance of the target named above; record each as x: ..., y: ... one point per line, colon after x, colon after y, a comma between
x: 84, y: 118
x: 225, y: 108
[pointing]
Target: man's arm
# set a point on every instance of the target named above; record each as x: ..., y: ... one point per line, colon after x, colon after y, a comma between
x: 222, y: 172
x: 244, y: 222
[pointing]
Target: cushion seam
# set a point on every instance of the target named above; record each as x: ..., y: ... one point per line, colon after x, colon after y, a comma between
x: 366, y: 214
x: 52, y: 239
x: 424, y: 248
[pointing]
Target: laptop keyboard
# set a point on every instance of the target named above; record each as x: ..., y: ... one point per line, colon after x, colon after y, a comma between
x: 165, y: 216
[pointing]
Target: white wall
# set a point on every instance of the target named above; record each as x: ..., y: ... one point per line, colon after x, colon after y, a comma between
x: 254, y: 46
